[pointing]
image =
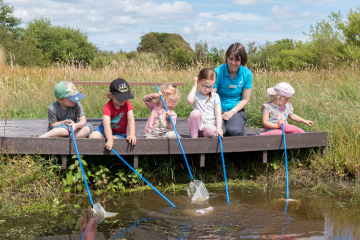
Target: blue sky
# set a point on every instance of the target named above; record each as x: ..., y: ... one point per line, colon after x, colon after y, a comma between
x: 117, y: 24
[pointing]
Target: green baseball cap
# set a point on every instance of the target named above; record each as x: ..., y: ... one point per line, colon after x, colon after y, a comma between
x: 67, y: 90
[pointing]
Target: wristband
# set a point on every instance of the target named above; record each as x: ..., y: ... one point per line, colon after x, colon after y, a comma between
x: 234, y: 110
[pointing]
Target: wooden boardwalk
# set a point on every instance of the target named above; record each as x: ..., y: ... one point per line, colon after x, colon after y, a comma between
x: 15, y: 138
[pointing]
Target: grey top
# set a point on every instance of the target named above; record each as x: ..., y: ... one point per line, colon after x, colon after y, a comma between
x: 56, y: 113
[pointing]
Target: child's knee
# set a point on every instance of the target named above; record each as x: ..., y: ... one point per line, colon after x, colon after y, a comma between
x: 170, y: 134
x: 195, y: 114
x: 96, y: 134
x: 209, y: 131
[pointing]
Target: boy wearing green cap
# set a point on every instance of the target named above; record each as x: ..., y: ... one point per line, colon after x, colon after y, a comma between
x: 67, y: 106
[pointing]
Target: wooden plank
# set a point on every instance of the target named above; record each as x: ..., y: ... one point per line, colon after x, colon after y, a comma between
x: 130, y: 83
x: 29, y: 127
x: 64, y: 146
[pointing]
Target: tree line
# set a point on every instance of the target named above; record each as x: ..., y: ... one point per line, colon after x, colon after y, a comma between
x: 330, y: 43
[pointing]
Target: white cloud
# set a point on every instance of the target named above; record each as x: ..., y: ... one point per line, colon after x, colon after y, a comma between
x: 96, y: 17
x: 282, y: 12
x: 297, y: 26
x: 231, y: 20
x: 236, y: 16
x: 96, y: 30
x: 118, y: 42
x: 185, y: 30
x: 146, y: 30
x: 274, y: 27
x: 208, y: 27
x: 245, y: 2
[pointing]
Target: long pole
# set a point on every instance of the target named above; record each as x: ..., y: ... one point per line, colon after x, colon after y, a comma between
x: 286, y: 163
x: 82, y: 169
x: 172, y: 123
x: 223, y: 162
x: 141, y: 177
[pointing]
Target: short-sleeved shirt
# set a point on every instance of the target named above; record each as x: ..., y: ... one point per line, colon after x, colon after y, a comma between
x: 57, y: 114
x: 118, y: 116
x: 230, y: 90
x: 207, y: 108
x: 277, y: 113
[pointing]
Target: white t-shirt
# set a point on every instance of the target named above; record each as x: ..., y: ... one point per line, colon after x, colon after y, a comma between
x: 207, y: 108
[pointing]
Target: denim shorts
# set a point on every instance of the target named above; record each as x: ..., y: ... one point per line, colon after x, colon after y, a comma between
x: 63, y: 125
x: 101, y: 129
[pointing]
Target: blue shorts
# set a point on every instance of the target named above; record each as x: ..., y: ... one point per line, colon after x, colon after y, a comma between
x: 63, y: 125
x: 101, y: 129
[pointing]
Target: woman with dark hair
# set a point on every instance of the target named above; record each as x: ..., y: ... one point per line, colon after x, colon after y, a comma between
x: 233, y: 84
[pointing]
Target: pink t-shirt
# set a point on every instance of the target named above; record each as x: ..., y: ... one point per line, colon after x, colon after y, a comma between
x: 118, y: 116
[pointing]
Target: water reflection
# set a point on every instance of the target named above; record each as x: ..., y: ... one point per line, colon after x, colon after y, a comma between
x: 252, y: 214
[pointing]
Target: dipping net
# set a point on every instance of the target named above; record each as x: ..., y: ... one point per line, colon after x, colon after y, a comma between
x: 198, y: 191
x: 97, y: 208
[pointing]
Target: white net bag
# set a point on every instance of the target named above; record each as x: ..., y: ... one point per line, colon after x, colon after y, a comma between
x: 198, y: 191
x: 97, y: 208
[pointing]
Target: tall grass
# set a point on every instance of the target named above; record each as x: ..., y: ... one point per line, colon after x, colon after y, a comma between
x: 330, y: 98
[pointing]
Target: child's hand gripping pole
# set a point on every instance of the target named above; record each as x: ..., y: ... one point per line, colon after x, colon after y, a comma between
x: 82, y: 169
x: 172, y: 123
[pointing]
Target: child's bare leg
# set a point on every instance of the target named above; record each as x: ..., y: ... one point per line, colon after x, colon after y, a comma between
x: 96, y: 134
x: 82, y: 133
x: 56, y: 132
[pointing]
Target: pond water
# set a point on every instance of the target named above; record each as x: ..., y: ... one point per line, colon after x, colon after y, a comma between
x: 251, y: 214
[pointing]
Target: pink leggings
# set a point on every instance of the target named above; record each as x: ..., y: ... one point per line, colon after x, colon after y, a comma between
x: 288, y: 129
x: 195, y: 122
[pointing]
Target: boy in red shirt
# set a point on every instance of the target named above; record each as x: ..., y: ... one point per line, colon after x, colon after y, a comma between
x: 117, y: 115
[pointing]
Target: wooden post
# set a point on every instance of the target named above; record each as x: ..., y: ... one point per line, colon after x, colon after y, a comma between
x: 324, y: 151
x: 64, y: 161
x: 264, y: 154
x: 199, y: 159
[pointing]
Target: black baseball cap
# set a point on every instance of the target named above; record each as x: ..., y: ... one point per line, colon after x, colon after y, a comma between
x: 121, y: 90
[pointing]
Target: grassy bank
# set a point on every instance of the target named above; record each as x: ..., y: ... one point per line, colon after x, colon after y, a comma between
x: 330, y: 98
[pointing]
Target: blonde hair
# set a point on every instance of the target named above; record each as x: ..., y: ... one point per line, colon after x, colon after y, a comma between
x: 275, y: 99
x: 207, y: 74
x: 175, y: 93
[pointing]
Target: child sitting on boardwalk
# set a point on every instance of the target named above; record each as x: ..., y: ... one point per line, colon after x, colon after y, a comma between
x: 117, y: 114
x: 67, y: 106
x: 159, y: 125
x: 277, y: 109
x: 205, y: 120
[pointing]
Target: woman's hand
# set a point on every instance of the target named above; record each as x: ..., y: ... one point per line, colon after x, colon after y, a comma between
x: 227, y: 115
